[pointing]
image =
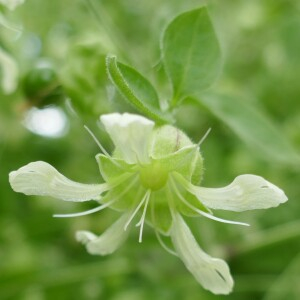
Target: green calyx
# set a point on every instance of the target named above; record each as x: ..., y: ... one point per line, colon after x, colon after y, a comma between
x: 175, y: 152
x: 170, y: 151
x: 153, y: 176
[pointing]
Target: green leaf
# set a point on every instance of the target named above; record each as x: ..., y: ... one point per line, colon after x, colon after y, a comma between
x: 136, y: 89
x: 41, y: 87
x: 251, y: 126
x: 191, y: 53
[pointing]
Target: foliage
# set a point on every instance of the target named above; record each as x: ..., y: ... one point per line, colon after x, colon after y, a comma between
x: 182, y: 83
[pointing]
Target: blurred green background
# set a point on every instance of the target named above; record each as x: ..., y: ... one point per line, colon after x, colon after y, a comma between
x: 59, y: 47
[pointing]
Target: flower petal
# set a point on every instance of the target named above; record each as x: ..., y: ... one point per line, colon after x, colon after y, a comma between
x: 106, y: 243
x: 130, y: 134
x: 40, y: 178
x: 244, y: 193
x: 212, y: 273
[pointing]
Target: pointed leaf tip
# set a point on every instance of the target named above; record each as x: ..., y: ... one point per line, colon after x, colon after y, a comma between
x: 191, y: 53
x: 136, y: 89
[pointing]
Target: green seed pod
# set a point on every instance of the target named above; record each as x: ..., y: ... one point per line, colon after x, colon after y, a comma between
x: 41, y: 87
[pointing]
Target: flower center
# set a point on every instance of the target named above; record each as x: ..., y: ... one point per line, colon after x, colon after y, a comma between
x: 153, y: 176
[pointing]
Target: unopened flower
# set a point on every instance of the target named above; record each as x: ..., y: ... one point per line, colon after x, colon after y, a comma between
x: 153, y: 175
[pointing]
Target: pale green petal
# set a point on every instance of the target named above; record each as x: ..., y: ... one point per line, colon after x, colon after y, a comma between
x: 130, y: 134
x: 108, y: 242
x: 40, y: 178
x: 244, y: 193
x: 9, y: 70
x: 212, y: 273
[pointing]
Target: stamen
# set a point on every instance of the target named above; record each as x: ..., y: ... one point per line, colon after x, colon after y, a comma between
x: 204, y: 137
x: 136, y: 210
x: 162, y: 243
x: 142, y: 220
x: 87, y: 212
x: 202, y: 212
x: 101, y: 147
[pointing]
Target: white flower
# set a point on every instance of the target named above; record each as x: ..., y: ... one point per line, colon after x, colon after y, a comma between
x: 130, y: 134
x: 154, y: 173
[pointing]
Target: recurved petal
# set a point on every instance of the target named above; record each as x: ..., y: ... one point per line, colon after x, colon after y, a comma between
x: 106, y: 243
x: 246, y: 192
x: 130, y: 134
x: 40, y: 178
x: 212, y: 273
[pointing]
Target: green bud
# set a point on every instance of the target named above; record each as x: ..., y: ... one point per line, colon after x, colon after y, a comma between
x: 41, y: 87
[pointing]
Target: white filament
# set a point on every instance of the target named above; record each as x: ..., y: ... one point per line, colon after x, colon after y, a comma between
x: 136, y: 210
x: 87, y: 212
x: 162, y: 243
x: 142, y: 220
x: 204, y: 137
x: 202, y: 212
x: 100, y: 146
